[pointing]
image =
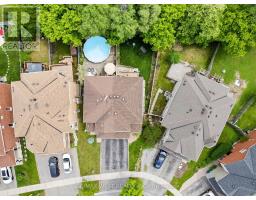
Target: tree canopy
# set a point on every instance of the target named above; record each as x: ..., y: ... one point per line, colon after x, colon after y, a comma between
x: 200, y: 24
x: 238, y: 30
x: 133, y: 187
x: 158, y: 25
x: 162, y: 34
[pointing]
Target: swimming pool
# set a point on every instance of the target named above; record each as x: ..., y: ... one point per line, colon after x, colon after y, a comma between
x: 96, y: 49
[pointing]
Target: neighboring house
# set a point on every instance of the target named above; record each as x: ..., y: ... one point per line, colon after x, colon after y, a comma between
x: 44, y: 108
x: 7, y: 138
x: 113, y: 106
x: 240, y: 168
x: 195, y: 115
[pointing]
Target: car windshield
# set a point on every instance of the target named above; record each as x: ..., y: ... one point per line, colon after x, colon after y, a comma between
x: 66, y: 159
x: 3, y: 173
x: 5, y: 178
x: 161, y: 158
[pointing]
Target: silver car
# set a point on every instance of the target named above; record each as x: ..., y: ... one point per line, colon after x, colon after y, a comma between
x: 67, y: 164
x: 6, y: 174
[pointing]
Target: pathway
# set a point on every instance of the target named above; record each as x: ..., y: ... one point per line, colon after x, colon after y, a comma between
x: 106, y: 176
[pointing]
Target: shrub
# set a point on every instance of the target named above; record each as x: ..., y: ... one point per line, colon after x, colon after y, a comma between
x: 133, y: 187
x: 220, y: 150
x: 174, y: 57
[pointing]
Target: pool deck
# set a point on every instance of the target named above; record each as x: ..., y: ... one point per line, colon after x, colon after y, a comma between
x: 100, y: 66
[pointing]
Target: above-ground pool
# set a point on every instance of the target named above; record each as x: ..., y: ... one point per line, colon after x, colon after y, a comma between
x: 96, y: 49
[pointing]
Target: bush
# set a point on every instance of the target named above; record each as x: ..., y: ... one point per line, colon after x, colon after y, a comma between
x: 174, y: 57
x: 220, y: 150
x: 133, y: 187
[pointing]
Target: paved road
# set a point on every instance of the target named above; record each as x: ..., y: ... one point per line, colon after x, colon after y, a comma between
x: 11, y: 185
x: 197, y: 188
x: 45, y: 177
x: 167, y: 171
x: 96, y: 177
x: 113, y: 158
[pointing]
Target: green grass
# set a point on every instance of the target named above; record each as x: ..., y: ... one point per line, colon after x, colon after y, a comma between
x: 245, y: 66
x: 88, y: 154
x: 35, y: 193
x: 60, y: 50
x: 27, y: 174
x: 42, y: 55
x: 200, y: 57
x: 160, y: 104
x: 228, y: 136
x: 150, y: 135
x: 89, y: 188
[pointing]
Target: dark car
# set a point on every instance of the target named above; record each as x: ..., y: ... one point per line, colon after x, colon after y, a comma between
x: 53, y: 166
x: 160, y: 158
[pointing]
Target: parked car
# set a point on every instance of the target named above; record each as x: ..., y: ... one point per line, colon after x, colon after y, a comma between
x: 67, y: 164
x: 160, y: 158
x: 54, y: 167
x: 6, y: 174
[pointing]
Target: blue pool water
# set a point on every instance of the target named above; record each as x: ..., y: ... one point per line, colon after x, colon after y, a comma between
x: 96, y: 49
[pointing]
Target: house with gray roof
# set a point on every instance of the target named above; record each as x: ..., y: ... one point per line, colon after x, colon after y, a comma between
x: 195, y: 115
x: 239, y: 170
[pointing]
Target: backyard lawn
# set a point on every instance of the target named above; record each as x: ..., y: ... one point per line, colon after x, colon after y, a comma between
x: 58, y: 51
x: 42, y: 55
x: 246, y: 67
x: 228, y: 137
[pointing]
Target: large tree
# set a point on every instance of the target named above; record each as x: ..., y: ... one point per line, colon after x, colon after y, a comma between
x: 59, y: 22
x: 238, y: 30
x: 133, y: 187
x: 123, y: 24
x: 162, y: 34
x: 95, y: 20
x: 200, y: 24
x: 147, y: 16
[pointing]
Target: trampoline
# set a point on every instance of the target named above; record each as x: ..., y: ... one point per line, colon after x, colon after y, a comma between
x: 96, y: 49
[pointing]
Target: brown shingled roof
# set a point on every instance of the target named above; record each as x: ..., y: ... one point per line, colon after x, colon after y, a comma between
x: 44, y: 108
x: 113, y: 106
x: 7, y: 138
x: 240, y: 149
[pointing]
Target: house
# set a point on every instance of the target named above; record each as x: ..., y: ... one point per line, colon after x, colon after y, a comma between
x: 113, y: 106
x: 44, y: 108
x: 240, y: 169
x: 195, y: 115
x: 7, y: 138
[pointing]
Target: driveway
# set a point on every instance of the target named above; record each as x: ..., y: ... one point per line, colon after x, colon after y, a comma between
x: 11, y: 185
x: 197, y: 188
x: 44, y: 174
x: 167, y: 171
x: 113, y: 158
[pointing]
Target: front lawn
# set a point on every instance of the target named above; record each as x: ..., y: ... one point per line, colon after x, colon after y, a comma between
x: 88, y: 154
x: 89, y: 188
x: 245, y: 66
x: 227, y: 138
x: 150, y: 136
x: 26, y: 174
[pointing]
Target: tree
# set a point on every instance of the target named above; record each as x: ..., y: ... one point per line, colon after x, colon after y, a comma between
x: 123, y: 24
x: 200, y: 24
x: 59, y: 22
x: 95, y: 20
x: 147, y: 16
x: 133, y: 187
x: 162, y: 34
x: 238, y: 30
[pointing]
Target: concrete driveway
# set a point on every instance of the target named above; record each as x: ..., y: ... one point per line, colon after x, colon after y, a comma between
x: 44, y: 174
x: 113, y: 158
x: 11, y: 185
x: 167, y: 171
x: 197, y: 188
